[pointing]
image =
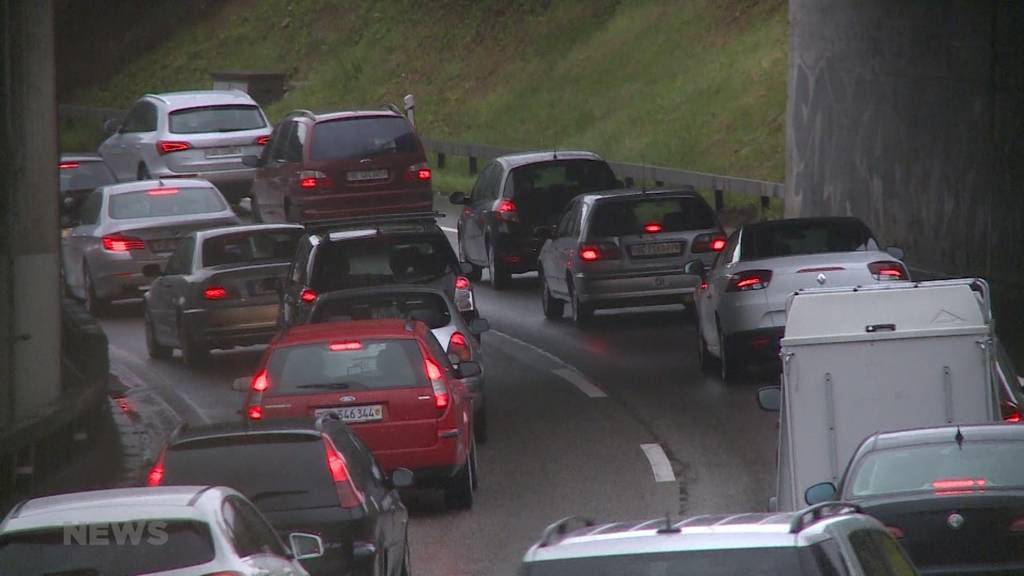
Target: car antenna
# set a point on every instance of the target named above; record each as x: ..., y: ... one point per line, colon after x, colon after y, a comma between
x: 554, y: 152
x: 959, y: 438
x: 668, y: 528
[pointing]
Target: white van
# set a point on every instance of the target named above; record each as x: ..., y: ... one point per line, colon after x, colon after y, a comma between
x: 862, y: 360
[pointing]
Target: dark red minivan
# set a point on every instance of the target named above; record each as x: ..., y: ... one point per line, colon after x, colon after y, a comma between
x: 391, y: 382
x: 340, y: 165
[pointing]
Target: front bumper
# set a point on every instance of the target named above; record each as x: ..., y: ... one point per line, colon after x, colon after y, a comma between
x: 634, y: 289
x: 233, y: 326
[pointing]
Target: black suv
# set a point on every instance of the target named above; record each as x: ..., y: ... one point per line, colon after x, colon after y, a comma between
x: 512, y: 197
x: 304, y: 477
x: 367, y: 252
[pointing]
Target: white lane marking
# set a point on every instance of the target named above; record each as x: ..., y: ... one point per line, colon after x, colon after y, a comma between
x: 660, y: 465
x: 449, y: 229
x: 579, y: 381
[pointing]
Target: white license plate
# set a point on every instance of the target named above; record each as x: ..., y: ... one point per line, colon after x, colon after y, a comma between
x: 660, y: 249
x: 224, y: 152
x: 167, y: 245
x: 354, y: 413
x: 360, y: 175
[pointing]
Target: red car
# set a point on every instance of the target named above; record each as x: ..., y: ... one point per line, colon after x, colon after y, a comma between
x: 391, y: 382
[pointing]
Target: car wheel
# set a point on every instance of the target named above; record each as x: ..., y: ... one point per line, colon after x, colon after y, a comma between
x: 480, y: 425
x: 142, y: 173
x: 458, y: 493
x: 193, y: 354
x: 581, y: 312
x: 500, y: 276
x: 553, y: 307
x: 155, y: 350
x: 475, y: 272
x: 93, y: 303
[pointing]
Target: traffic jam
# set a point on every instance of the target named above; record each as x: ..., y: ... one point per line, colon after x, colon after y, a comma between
x: 893, y: 409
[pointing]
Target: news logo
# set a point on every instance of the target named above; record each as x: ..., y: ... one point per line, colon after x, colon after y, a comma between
x: 150, y: 532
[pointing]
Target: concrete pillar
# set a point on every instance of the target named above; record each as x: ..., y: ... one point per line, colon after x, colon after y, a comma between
x: 910, y: 115
x: 30, y: 350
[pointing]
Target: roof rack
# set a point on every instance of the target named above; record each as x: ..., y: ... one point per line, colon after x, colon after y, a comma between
x: 560, y: 528
x: 374, y: 219
x: 302, y: 112
x: 820, y: 512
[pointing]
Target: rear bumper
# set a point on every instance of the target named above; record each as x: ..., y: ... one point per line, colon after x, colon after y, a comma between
x: 431, y: 466
x: 761, y: 344
x: 119, y: 275
x: 518, y: 254
x: 615, y: 291
x: 233, y: 326
x: 313, y: 206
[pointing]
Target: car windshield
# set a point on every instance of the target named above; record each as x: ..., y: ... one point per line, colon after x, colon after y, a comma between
x: 723, y: 562
x: 250, y: 247
x: 346, y: 365
x: 940, y: 468
x: 382, y: 260
x: 358, y: 138
x: 625, y: 217
x: 542, y: 190
x: 216, y: 119
x: 795, y: 237
x: 260, y: 466
x: 431, y: 309
x: 166, y: 202
x: 84, y: 175
x: 120, y: 549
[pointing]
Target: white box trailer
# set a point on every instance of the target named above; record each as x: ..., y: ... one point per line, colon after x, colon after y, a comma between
x: 862, y: 360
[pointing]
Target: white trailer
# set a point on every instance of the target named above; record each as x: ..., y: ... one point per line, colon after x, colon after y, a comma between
x: 862, y: 360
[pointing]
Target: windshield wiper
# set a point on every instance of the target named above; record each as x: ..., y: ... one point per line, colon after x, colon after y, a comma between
x: 274, y: 493
x: 328, y: 385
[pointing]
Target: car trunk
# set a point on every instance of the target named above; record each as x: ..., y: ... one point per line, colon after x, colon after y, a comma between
x: 161, y: 238
x: 250, y: 294
x: 793, y: 273
x: 209, y: 152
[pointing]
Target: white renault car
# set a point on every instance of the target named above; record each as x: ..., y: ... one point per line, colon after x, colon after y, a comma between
x: 741, y: 300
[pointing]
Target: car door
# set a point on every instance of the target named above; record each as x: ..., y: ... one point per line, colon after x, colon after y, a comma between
x: 295, y: 282
x: 271, y: 186
x: 717, y: 280
x: 75, y: 245
x: 165, y: 295
x: 125, y: 147
x: 559, y: 251
x: 479, y: 205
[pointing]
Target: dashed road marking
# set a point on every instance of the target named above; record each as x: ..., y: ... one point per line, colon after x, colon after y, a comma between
x: 579, y: 381
x: 660, y: 465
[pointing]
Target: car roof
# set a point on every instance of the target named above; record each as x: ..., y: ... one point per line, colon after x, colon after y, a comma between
x: 349, y: 114
x: 592, y: 197
x: 374, y: 290
x: 142, y: 185
x: 518, y: 159
x: 238, y: 428
x: 194, y: 98
x: 944, y: 434
x: 353, y: 329
x: 807, y: 220
x: 80, y: 157
x: 208, y: 233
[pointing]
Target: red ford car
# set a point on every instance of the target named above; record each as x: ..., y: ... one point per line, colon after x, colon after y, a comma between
x: 391, y: 382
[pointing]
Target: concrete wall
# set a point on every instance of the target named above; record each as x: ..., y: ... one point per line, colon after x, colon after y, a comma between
x: 910, y: 114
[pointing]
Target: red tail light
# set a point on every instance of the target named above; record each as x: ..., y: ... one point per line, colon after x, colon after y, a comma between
x: 888, y: 270
x: 506, y: 210
x: 713, y: 242
x: 168, y: 146
x: 119, y: 243
x: 418, y: 172
x: 156, y: 473
x: 435, y: 375
x: 462, y: 283
x: 162, y: 192
x: 457, y: 345
x: 348, y: 495
x: 1010, y: 412
x: 314, y: 179
x: 895, y: 532
x: 255, y: 412
x: 602, y: 251
x: 261, y: 140
x: 345, y: 346
x: 959, y: 485
x: 308, y: 296
x: 749, y: 280
x: 260, y: 382
x: 1017, y: 525
x: 68, y: 165
x: 215, y: 293
x: 652, y: 228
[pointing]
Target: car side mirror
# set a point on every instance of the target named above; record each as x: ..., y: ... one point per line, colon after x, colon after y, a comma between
x: 306, y: 546
x: 821, y: 492
x: 457, y: 198
x: 241, y: 384
x: 152, y: 271
x: 769, y: 398
x: 478, y: 326
x: 695, y: 268
x: 111, y: 126
x: 252, y: 161
x: 468, y: 369
x: 402, y: 478
x: 895, y: 252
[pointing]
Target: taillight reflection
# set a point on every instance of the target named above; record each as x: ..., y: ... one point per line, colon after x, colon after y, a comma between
x: 215, y: 293
x: 712, y: 242
x: 308, y: 296
x: 888, y: 270
x: 156, y: 473
x: 458, y: 346
x: 506, y: 210
x: 260, y: 382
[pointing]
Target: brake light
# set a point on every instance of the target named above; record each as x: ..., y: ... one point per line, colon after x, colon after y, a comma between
x: 418, y: 172
x: 506, y: 210
x: 457, y: 345
x: 162, y: 192
x: 215, y: 293
x: 959, y: 485
x: 260, y: 382
x: 652, y: 228
x: 1017, y: 525
x: 434, y: 374
x: 311, y: 179
x: 255, y: 412
x: 589, y: 254
x: 68, y: 165
x: 602, y: 251
x: 261, y: 140
x: 168, y: 146
x: 712, y: 242
x: 307, y: 296
x: 888, y: 270
x: 156, y: 473
x: 462, y: 283
x: 119, y: 243
x: 345, y: 346
x: 1011, y: 412
x: 749, y: 280
x: 348, y: 495
x: 895, y: 532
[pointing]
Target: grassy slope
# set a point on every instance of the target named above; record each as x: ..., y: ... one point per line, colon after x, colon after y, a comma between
x: 697, y: 84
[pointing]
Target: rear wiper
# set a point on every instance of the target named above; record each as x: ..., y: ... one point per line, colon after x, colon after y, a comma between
x: 328, y: 385
x: 274, y: 493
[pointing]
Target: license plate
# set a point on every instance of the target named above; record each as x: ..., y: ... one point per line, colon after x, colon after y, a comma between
x: 353, y: 413
x: 166, y: 245
x: 660, y: 249
x: 360, y: 175
x: 223, y: 152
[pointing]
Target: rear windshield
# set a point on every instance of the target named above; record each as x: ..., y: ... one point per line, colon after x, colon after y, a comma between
x: 351, y: 365
x: 249, y: 247
x: 166, y: 202
x: 121, y: 549
x: 785, y: 238
x: 358, y: 138
x: 275, y: 471
x: 431, y: 309
x: 541, y: 191
x: 728, y: 562
x: 84, y: 175
x: 628, y: 217
x: 382, y: 260
x: 216, y: 119
x: 974, y: 466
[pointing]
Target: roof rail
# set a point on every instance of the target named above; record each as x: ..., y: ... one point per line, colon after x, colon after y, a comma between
x: 820, y: 512
x: 374, y: 219
x: 560, y: 528
x: 392, y: 108
x: 302, y: 112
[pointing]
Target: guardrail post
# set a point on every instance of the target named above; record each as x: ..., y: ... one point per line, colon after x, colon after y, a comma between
x: 719, y: 200
x: 440, y: 160
x: 764, y: 206
x: 472, y: 164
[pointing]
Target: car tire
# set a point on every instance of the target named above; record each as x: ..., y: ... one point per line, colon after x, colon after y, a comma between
x: 500, y: 276
x: 581, y: 313
x: 93, y: 303
x: 480, y: 425
x: 458, y: 493
x: 143, y: 173
x: 155, y: 350
x: 193, y: 354
x: 553, y: 307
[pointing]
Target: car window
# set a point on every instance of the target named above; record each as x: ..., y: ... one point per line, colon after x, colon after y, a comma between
x: 250, y: 247
x: 486, y: 186
x: 135, y: 547
x: 215, y: 119
x: 141, y: 118
x: 279, y: 141
x: 258, y: 528
x: 382, y: 260
x: 566, y: 225
x: 828, y: 558
x: 90, y: 213
x: 543, y: 190
x: 795, y: 237
x: 249, y: 536
x: 878, y: 554
x: 297, y: 272
x: 294, y: 144
x: 165, y: 202
x: 729, y: 254
x: 357, y: 138
x: 431, y: 309
x: 629, y: 216
x: 367, y: 364
x: 84, y: 175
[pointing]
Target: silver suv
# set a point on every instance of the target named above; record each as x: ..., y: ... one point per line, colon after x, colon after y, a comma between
x: 830, y: 539
x: 169, y: 530
x: 197, y: 134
